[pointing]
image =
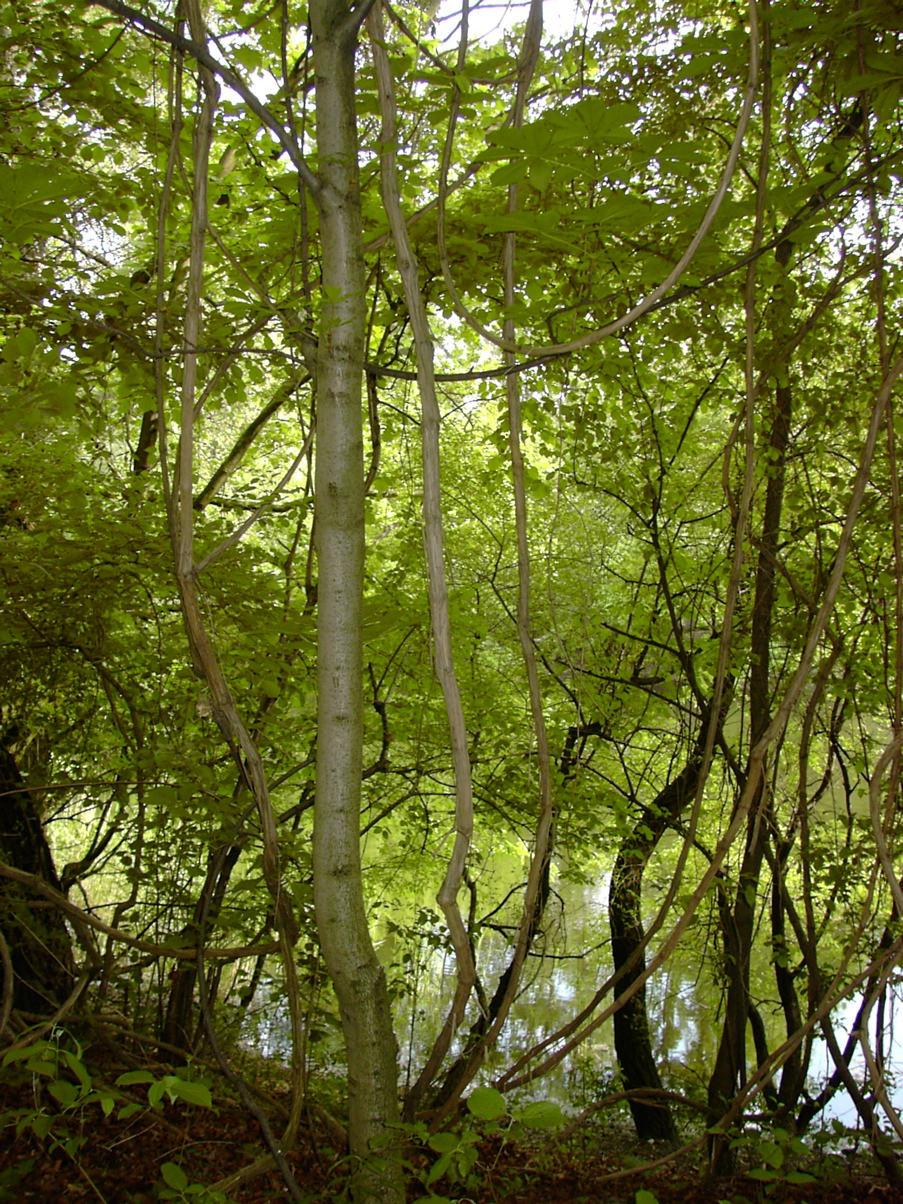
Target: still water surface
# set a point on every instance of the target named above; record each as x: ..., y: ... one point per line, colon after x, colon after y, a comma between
x: 684, y: 1007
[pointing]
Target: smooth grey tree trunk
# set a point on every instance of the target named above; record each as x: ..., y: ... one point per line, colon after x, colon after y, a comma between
x: 356, y: 974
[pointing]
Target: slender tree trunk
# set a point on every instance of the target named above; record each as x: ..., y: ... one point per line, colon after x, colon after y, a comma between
x: 434, y: 549
x: 181, y: 1018
x: 793, y: 1075
x: 356, y: 974
x: 729, y: 1072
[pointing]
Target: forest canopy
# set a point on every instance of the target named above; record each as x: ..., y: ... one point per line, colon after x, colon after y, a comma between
x: 448, y: 465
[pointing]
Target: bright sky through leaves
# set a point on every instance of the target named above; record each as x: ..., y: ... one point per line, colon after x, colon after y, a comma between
x: 488, y: 21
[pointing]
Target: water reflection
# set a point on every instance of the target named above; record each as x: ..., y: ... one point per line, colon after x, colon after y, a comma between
x: 684, y: 1005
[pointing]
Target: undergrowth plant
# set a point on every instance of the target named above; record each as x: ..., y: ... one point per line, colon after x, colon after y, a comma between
x: 776, y: 1150
x: 458, y: 1150
x: 65, y: 1095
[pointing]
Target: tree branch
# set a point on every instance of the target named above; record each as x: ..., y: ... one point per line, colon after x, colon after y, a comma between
x: 203, y: 56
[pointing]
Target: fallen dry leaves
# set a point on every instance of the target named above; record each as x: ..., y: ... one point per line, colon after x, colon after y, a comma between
x: 119, y: 1161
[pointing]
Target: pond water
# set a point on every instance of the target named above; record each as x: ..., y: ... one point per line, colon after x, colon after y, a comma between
x: 684, y: 1007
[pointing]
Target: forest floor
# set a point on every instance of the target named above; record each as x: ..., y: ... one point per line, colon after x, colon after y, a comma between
x: 170, y: 1151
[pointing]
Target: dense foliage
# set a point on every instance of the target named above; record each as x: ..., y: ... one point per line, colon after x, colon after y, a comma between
x: 440, y: 462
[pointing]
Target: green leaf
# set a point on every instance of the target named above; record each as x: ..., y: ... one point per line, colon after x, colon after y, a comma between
x: 39, y: 1066
x: 439, y: 1168
x: 771, y: 1153
x: 21, y: 346
x: 161, y: 796
x: 510, y: 173
x: 486, y: 1103
x: 174, y: 1176
x: 192, y: 1093
x: 249, y: 57
x: 444, y: 1143
x: 540, y: 174
x: 34, y: 201
x: 22, y: 1054
x: 64, y: 1093
x: 800, y: 1177
x: 78, y: 1068
x: 645, y: 1197
x: 132, y: 1077
x: 41, y: 1124
x: 543, y: 1114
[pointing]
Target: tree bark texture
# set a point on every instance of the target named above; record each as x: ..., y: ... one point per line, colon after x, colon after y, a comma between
x: 633, y: 1044
x: 181, y: 1017
x: 356, y: 974
x: 37, y: 937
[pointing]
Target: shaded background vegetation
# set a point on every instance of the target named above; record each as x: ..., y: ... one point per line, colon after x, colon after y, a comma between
x: 687, y: 530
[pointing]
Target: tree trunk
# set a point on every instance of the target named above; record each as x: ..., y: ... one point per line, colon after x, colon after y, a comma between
x: 357, y: 976
x: 793, y: 1075
x: 39, y: 944
x: 181, y: 1018
x: 729, y: 1072
x: 633, y: 1045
